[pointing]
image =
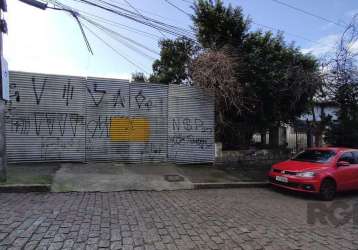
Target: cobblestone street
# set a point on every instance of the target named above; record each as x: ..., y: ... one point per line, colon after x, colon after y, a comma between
x: 249, y: 218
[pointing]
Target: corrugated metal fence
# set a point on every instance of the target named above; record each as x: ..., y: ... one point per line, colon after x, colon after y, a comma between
x: 191, y: 125
x: 46, y: 118
x: 66, y: 118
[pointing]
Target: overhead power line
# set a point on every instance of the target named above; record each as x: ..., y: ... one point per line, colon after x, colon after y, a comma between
x: 37, y: 4
x: 309, y: 13
x: 187, y: 1
x: 120, y: 35
x: 155, y: 14
x: 139, y: 17
x: 124, y: 40
x: 134, y: 8
x: 289, y: 33
x: 110, y: 22
x: 150, y: 22
x: 178, y: 8
x: 115, y: 50
x: 74, y: 14
x: 120, y: 25
x: 120, y: 38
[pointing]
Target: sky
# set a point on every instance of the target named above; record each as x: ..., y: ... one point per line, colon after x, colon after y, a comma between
x: 50, y: 41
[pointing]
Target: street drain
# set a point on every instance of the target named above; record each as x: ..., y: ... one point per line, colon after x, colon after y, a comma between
x: 173, y: 178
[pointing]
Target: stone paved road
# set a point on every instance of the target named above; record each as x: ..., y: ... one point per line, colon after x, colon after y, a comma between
x: 197, y: 219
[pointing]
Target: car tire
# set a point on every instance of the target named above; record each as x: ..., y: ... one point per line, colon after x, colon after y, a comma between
x: 327, y: 190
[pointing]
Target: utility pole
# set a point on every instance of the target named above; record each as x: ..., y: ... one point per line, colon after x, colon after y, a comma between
x: 4, y: 95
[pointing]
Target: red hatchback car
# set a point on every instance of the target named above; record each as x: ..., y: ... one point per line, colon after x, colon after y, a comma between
x: 323, y: 171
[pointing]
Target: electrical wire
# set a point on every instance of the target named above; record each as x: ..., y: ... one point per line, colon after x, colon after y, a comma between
x: 114, y: 35
x: 121, y: 26
x: 178, y: 8
x: 75, y: 16
x: 308, y: 13
x: 120, y: 35
x: 115, y: 50
x: 153, y: 23
x: 155, y: 14
x: 130, y: 5
x: 111, y: 22
x: 118, y: 25
x: 187, y: 1
x: 289, y: 33
x: 157, y: 24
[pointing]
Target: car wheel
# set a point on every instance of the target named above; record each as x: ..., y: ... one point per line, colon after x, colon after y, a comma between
x: 328, y: 190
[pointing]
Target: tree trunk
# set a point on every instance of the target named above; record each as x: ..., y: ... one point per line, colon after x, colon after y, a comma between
x: 274, y: 137
x: 263, y: 138
x: 309, y: 138
x: 318, y: 139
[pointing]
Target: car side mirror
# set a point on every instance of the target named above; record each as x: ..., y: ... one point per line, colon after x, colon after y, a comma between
x: 343, y: 164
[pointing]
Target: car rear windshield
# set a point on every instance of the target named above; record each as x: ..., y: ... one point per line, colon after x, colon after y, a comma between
x: 319, y: 156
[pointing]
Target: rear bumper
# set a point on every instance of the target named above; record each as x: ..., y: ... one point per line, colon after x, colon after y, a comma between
x: 296, y: 184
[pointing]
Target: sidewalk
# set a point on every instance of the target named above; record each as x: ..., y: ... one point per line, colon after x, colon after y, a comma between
x: 109, y: 176
x: 113, y: 176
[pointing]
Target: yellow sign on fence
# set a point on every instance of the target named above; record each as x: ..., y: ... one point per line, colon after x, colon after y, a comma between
x: 124, y: 129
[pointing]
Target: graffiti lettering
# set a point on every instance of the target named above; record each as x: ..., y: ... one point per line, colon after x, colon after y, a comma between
x: 67, y: 93
x: 99, y: 127
x: 141, y: 101
x: 16, y: 95
x: 62, y: 118
x: 38, y: 96
x: 50, y: 120
x: 189, y: 124
x: 119, y: 99
x: 191, y: 131
x: 75, y: 120
x: 41, y: 120
x: 180, y: 139
x: 92, y: 94
x: 37, y: 124
x: 19, y: 125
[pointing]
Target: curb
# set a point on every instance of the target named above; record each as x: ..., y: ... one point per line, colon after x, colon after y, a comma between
x: 230, y: 185
x: 19, y: 188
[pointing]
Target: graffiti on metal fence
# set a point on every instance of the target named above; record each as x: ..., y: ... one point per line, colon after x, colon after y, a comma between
x: 65, y: 116
x: 191, y: 131
x: 38, y: 92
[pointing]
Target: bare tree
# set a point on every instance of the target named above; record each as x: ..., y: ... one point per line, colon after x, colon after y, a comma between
x: 340, y: 70
x: 214, y: 71
x: 340, y: 77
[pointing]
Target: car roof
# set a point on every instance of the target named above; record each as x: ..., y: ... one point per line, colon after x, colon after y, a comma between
x: 335, y: 149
